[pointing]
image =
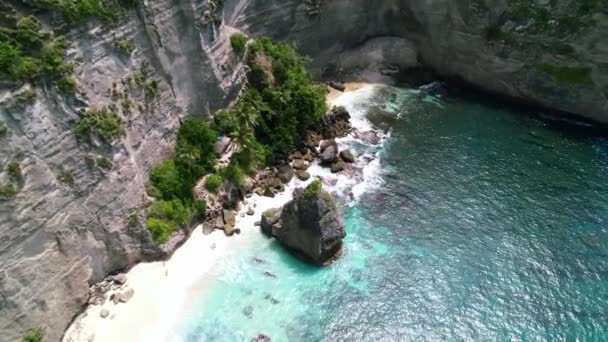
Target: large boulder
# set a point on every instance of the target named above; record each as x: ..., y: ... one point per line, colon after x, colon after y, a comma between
x: 303, y: 175
x: 329, y: 151
x: 285, y: 173
x: 300, y: 164
x: 309, y: 225
x: 269, y: 218
x: 336, y: 123
x: 338, y: 166
x: 347, y: 156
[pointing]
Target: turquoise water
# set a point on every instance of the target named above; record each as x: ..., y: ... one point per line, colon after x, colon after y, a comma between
x: 488, y: 225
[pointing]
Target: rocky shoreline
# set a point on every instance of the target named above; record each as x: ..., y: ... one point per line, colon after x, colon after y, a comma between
x: 318, y: 145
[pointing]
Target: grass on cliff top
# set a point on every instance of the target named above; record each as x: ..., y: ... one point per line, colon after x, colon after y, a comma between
x: 565, y: 74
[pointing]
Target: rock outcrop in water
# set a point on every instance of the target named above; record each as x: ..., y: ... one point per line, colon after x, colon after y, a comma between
x: 309, y: 225
x: 68, y: 226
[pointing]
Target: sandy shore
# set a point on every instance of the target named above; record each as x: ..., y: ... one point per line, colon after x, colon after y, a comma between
x: 335, y: 94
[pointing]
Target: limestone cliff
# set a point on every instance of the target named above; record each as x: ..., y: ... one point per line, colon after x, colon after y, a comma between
x: 68, y: 225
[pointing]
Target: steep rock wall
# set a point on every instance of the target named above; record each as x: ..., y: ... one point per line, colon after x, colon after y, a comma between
x: 58, y: 237
x: 481, y: 42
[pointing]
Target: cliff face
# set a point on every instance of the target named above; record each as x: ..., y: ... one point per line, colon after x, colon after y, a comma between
x: 552, y: 53
x: 58, y: 236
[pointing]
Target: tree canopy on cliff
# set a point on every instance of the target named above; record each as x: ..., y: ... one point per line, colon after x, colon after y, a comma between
x: 267, y: 121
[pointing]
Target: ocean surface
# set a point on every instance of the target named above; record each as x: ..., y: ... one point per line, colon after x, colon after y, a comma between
x: 470, y: 221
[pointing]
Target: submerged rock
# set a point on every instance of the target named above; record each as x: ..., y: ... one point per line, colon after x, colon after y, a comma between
x: 309, y: 225
x: 261, y: 338
x: 370, y: 137
x: 248, y: 311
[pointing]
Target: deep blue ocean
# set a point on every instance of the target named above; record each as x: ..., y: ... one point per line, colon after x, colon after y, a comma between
x: 484, y: 223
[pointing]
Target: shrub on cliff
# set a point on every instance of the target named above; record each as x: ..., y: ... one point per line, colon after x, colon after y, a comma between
x: 159, y: 229
x: 104, y: 122
x: 173, y: 180
x: 238, y: 42
x: 34, y: 335
x: 3, y: 129
x: 213, y: 183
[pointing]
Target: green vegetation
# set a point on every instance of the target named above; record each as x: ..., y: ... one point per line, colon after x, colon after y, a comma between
x: 89, y: 160
x: 533, y: 23
x: 27, y: 52
x: 159, y: 229
x: 566, y: 74
x: 124, y: 46
x: 133, y: 219
x: 104, y: 163
x: 7, y: 190
x: 126, y: 105
x: 10, y: 189
x: 213, y: 183
x: 271, y: 116
x: 25, y: 97
x: 104, y: 122
x: 234, y: 173
x: 34, y: 335
x: 66, y: 177
x: 266, y: 122
x: 151, y: 89
x: 14, y: 170
x: 30, y: 53
x: 67, y: 85
x: 313, y: 190
x: 172, y: 181
x: 495, y: 33
x: 3, y: 129
x: 238, y: 42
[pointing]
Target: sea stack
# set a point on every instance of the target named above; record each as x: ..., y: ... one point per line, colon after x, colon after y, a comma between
x: 309, y: 225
